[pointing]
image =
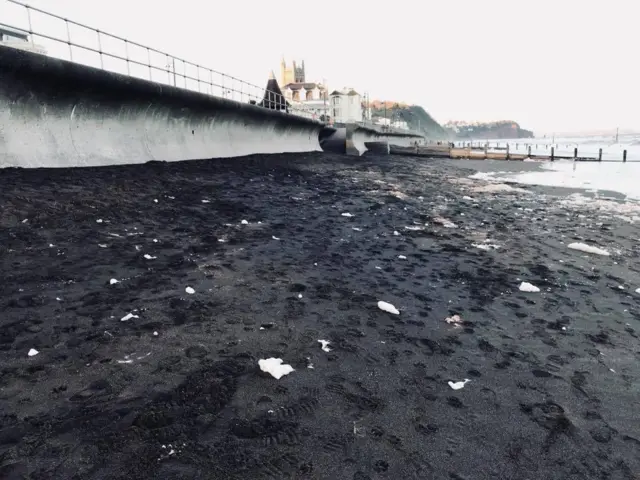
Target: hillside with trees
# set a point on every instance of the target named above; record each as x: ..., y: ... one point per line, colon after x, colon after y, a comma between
x: 486, y: 130
x: 416, y: 117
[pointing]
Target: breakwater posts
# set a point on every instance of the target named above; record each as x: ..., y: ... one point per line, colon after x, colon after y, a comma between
x: 57, y: 113
x: 508, y: 149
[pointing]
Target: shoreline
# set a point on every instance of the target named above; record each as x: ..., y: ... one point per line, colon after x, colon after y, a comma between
x: 553, y: 375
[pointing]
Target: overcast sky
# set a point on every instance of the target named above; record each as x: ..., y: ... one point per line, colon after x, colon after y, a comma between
x: 551, y: 65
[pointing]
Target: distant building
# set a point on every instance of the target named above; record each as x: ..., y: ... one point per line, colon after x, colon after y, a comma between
x: 15, y: 38
x: 296, y: 89
x: 346, y: 106
x: 400, y: 124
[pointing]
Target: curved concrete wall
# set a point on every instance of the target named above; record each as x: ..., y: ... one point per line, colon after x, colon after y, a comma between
x: 360, y: 139
x: 334, y: 139
x: 55, y: 113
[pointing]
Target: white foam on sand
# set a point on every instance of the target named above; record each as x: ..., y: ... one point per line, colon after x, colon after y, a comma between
x: 485, y: 246
x: 445, y: 222
x: 325, y: 345
x: 275, y: 367
x: 628, y: 211
x: 583, y: 247
x: 387, y: 307
x: 614, y: 176
x: 497, y: 188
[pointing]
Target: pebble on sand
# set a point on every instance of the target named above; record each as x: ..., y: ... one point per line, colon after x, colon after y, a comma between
x: 190, y: 290
x: 149, y: 257
x: 128, y: 316
x: 347, y: 214
x: 244, y: 222
x: 402, y: 257
x: 387, y: 307
x: 325, y: 345
x: 528, y: 287
x: 274, y: 367
x: 113, y: 281
x: 33, y: 352
x: 458, y: 385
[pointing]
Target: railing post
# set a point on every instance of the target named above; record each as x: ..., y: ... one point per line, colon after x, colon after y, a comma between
x: 100, y: 50
x: 600, y: 155
x: 624, y: 156
x: 29, y: 20
x: 69, y: 40
x: 507, y: 151
x: 149, y: 63
x: 529, y: 151
x: 575, y: 153
x: 126, y: 54
x: 553, y: 152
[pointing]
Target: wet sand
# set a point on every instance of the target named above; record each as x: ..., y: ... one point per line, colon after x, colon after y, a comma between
x: 175, y: 391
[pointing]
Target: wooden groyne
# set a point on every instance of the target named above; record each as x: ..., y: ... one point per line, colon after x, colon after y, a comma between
x: 507, y: 153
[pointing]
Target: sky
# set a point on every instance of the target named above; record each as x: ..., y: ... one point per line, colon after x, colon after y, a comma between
x: 550, y: 65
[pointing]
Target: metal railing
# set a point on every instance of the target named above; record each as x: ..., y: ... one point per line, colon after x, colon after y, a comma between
x: 145, y: 62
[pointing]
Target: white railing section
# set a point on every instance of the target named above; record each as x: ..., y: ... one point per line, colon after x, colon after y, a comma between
x: 70, y: 40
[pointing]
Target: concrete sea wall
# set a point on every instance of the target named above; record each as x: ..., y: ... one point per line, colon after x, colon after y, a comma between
x: 55, y: 113
x: 360, y: 139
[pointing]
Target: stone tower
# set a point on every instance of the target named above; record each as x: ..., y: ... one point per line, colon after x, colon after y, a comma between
x: 291, y: 74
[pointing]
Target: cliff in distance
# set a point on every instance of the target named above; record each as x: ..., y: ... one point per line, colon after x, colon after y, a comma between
x: 487, y: 130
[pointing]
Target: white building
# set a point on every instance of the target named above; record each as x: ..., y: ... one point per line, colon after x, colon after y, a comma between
x: 311, y: 95
x: 346, y: 106
x: 15, y: 38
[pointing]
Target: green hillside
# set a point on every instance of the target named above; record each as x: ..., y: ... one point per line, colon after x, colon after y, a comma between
x: 416, y: 117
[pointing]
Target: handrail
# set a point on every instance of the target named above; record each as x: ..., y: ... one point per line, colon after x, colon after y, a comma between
x: 248, y: 92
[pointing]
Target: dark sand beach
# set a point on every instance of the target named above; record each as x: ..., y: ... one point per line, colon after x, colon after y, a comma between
x: 175, y: 392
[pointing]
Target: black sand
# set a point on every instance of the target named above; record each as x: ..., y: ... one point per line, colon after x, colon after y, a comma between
x: 554, y: 390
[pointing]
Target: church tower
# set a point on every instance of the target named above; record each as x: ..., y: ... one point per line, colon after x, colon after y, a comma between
x: 299, y: 73
x: 291, y: 74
